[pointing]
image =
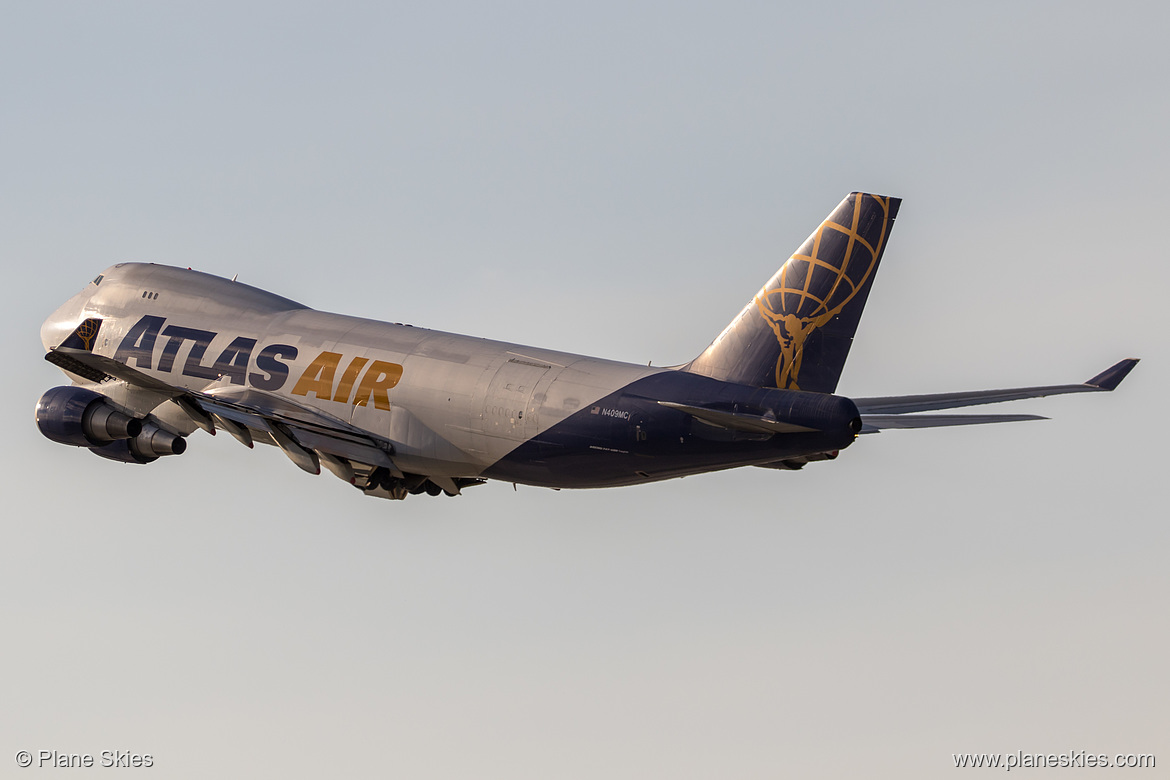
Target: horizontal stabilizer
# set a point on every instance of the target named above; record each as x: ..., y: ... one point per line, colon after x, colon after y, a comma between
x: 1105, y: 381
x: 872, y: 423
x: 738, y: 421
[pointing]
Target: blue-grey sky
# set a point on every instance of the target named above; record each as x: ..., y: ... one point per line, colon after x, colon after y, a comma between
x: 615, y: 179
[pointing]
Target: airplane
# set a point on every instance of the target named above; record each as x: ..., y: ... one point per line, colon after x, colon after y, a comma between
x: 156, y: 352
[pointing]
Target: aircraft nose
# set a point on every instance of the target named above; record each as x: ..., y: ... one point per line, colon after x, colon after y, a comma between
x: 63, y: 321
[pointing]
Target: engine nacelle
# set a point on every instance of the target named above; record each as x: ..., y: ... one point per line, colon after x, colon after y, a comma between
x: 148, y: 446
x: 83, y: 418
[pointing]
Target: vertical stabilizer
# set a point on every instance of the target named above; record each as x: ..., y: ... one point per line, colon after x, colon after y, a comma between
x: 796, y: 332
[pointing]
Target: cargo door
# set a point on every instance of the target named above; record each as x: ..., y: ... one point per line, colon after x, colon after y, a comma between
x: 509, y: 411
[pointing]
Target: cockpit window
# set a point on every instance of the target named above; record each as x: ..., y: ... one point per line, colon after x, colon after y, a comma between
x: 98, y: 280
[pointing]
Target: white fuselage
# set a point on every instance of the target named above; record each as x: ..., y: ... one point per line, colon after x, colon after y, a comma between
x: 457, y: 405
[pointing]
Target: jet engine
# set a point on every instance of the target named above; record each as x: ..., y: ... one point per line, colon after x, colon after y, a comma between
x: 83, y: 418
x: 149, y: 445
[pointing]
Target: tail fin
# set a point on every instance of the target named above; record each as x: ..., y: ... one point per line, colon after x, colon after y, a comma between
x: 796, y: 333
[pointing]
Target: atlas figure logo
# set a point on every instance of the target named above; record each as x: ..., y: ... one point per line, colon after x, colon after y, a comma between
x: 271, y: 371
x: 206, y: 353
x: 810, y: 290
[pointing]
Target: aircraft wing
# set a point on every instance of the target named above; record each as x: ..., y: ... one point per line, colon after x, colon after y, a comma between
x: 307, y: 436
x: 888, y: 411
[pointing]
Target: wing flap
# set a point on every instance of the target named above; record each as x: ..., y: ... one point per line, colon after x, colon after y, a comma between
x: 305, y: 459
x: 241, y: 433
x: 307, y: 430
x: 294, y: 428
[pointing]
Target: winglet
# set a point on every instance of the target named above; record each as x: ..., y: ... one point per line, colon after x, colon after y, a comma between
x: 1112, y: 376
x: 84, y: 336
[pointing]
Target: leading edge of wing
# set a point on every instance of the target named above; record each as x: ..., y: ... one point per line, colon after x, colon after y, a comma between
x: 295, y: 428
x: 1107, y: 380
